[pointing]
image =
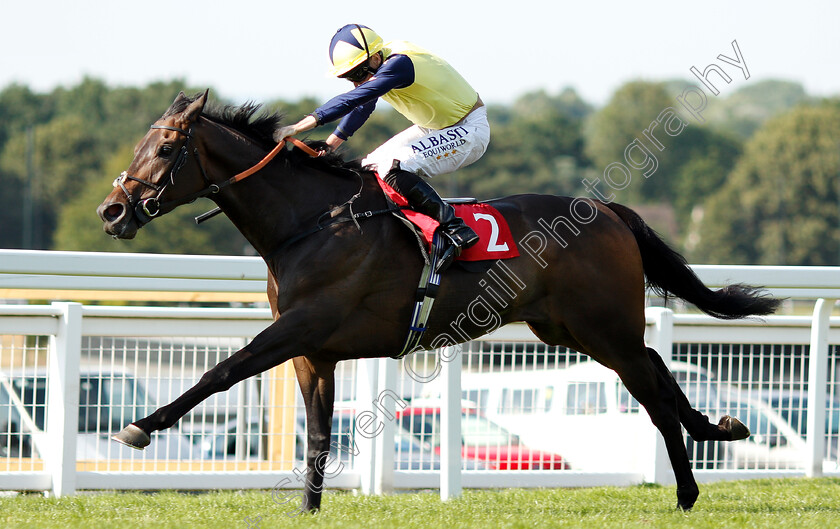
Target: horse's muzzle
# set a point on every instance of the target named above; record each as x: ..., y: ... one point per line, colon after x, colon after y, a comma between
x: 117, y: 220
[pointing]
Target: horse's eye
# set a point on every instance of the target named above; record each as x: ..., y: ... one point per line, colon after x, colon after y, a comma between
x: 165, y: 150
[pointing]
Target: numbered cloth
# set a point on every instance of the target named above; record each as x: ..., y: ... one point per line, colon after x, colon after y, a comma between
x: 495, y: 238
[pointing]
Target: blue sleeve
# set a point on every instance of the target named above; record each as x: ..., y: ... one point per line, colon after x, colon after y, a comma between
x: 358, y: 104
x: 354, y: 120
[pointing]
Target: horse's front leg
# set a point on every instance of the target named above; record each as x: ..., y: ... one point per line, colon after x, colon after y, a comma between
x: 273, y: 346
x: 317, y: 384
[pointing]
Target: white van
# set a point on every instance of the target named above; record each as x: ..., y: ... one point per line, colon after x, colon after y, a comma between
x: 582, y: 412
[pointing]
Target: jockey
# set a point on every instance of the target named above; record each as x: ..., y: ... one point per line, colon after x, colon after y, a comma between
x: 449, y: 131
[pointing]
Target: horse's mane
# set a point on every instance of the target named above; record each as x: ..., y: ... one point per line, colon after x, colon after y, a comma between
x: 244, y: 119
x: 259, y: 127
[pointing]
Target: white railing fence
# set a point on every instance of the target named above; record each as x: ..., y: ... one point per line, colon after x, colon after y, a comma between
x: 70, y: 374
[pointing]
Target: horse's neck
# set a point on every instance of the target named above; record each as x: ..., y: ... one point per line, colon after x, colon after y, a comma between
x: 280, y: 201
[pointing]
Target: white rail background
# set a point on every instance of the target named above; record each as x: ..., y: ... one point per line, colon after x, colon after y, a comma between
x: 68, y: 337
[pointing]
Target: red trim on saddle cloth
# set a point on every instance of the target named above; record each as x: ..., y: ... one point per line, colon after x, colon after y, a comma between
x: 495, y: 239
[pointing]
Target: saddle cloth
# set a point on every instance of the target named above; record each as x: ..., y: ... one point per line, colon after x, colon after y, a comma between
x: 495, y: 238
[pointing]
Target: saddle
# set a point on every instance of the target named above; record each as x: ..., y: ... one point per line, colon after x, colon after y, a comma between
x: 495, y: 239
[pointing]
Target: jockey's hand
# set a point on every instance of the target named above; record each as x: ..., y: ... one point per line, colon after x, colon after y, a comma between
x: 284, y: 132
x: 307, y: 123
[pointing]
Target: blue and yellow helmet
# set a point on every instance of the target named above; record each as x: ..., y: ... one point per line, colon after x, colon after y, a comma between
x: 351, y: 46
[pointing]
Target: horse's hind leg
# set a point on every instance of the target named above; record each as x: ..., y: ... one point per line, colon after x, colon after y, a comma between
x: 696, y: 424
x: 653, y: 391
x: 643, y: 380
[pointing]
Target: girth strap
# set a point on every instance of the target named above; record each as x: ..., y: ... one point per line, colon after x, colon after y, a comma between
x: 426, y: 293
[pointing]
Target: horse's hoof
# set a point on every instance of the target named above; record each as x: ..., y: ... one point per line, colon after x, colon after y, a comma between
x: 133, y: 436
x: 736, y: 428
x: 686, y: 498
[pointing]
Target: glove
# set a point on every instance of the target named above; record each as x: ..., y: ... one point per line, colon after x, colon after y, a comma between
x: 284, y: 132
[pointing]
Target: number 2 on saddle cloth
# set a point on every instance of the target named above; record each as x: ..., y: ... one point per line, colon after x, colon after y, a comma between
x: 495, y: 238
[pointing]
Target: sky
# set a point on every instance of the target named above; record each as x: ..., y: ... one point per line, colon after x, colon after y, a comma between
x: 261, y: 50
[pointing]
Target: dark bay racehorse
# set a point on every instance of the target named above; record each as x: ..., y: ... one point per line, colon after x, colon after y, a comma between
x: 346, y: 291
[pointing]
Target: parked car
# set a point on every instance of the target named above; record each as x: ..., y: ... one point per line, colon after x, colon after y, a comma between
x: 108, y: 400
x: 586, y: 414
x: 774, y: 443
x: 792, y: 405
x: 482, y: 439
x: 15, y: 425
x: 409, y: 453
x: 219, y: 444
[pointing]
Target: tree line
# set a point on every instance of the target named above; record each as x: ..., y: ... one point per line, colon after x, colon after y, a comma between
x: 758, y: 182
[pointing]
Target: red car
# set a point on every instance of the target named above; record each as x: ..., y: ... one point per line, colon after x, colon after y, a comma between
x: 481, y: 440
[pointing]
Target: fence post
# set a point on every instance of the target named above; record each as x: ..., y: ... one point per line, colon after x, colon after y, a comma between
x: 386, y: 400
x: 817, y: 382
x: 63, y: 402
x: 661, y: 339
x: 365, y: 428
x: 450, y: 419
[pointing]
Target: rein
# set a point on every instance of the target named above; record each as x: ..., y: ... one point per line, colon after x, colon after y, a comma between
x: 258, y: 166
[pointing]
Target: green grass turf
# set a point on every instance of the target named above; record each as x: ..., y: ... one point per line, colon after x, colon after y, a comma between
x: 794, y: 503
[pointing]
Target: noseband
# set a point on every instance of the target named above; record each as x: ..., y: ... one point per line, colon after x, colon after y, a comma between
x: 147, y: 209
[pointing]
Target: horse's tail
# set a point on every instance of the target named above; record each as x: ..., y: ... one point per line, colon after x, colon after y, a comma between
x: 667, y: 272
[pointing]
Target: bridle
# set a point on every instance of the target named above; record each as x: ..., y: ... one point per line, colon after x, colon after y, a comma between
x: 148, y: 208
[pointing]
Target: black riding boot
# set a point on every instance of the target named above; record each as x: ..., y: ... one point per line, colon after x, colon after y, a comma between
x: 424, y: 199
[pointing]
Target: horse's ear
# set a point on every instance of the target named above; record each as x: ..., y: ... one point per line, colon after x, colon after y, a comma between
x: 181, y: 97
x: 194, y: 110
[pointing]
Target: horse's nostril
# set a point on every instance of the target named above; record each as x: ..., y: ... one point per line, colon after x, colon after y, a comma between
x: 114, y: 211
